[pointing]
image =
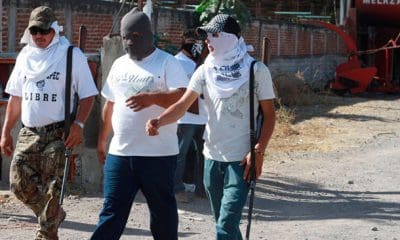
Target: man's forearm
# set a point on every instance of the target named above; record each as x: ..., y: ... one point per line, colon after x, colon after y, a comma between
x: 178, y: 109
x: 166, y: 99
x: 85, y: 107
x: 13, y: 113
x: 267, y: 126
x: 106, y: 126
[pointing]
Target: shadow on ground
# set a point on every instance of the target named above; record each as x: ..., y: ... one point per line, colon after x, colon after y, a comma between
x: 281, y: 199
x: 324, y: 104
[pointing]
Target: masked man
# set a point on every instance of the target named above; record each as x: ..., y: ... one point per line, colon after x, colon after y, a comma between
x: 190, y: 126
x: 139, y: 86
x: 223, y: 79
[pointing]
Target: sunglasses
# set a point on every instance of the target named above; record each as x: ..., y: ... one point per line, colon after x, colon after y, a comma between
x: 36, y: 30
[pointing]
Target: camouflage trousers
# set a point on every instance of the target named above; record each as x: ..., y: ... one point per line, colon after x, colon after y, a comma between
x: 36, y: 176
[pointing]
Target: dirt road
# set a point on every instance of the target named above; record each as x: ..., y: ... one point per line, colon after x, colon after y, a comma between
x: 333, y: 174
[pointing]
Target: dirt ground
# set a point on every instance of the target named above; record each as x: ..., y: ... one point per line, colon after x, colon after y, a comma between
x: 331, y: 174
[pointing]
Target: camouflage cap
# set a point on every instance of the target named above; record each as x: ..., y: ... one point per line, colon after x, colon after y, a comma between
x: 41, y: 17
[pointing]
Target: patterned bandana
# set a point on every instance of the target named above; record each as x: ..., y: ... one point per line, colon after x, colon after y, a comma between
x: 227, y: 69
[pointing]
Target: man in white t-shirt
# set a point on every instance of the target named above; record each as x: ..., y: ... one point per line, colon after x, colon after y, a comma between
x: 37, y: 94
x: 190, y: 126
x: 139, y: 86
x: 223, y: 79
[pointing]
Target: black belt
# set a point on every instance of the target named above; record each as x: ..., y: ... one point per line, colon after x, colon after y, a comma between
x: 46, y: 128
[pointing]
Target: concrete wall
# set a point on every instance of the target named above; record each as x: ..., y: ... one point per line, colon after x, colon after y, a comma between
x: 316, y: 71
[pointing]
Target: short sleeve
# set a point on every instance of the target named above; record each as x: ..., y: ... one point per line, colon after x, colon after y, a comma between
x: 15, y: 82
x: 85, y: 85
x: 106, y: 91
x: 263, y: 82
x: 197, y: 81
x: 175, y: 75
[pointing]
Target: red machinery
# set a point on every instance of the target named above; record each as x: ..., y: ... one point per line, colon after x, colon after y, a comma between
x: 373, y: 44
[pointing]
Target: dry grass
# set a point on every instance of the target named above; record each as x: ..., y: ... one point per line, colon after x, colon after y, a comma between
x: 292, y: 91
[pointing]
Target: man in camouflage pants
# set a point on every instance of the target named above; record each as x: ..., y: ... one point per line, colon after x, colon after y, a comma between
x: 37, y: 95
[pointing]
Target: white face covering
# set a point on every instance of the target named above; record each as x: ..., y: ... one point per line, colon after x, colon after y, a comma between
x: 38, y: 62
x: 227, y: 66
x: 221, y: 43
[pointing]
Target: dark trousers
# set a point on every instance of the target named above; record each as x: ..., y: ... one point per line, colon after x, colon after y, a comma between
x: 190, y: 158
x: 123, y: 177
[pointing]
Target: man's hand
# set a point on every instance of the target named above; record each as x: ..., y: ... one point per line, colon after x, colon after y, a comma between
x: 102, y: 151
x: 139, y: 101
x: 152, y: 126
x: 258, y: 168
x: 6, y: 145
x: 75, y: 136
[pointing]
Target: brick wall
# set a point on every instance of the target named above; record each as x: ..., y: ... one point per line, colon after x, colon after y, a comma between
x: 287, y: 39
x: 3, y: 33
x: 97, y: 25
x: 97, y: 16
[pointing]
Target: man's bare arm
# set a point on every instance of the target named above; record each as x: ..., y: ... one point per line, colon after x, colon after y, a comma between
x: 172, y: 113
x: 105, y: 131
x: 76, y: 132
x: 267, y: 128
x: 163, y: 99
x: 13, y: 113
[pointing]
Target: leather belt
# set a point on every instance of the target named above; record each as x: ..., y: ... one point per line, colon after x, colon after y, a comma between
x: 47, y: 128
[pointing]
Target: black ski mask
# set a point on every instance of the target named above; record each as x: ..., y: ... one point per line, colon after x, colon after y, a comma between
x: 137, y: 37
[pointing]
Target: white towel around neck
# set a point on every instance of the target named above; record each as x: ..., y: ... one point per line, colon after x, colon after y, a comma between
x: 37, y: 63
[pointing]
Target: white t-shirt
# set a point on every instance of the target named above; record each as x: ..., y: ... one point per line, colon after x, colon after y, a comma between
x: 43, y: 99
x: 227, y: 133
x: 189, y: 118
x: 158, y: 72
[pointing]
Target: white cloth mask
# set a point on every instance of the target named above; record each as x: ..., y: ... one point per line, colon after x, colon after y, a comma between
x: 221, y: 42
x: 227, y: 69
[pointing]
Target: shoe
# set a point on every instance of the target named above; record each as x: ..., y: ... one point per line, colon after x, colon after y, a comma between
x: 189, y: 187
x: 184, y: 197
x: 51, y: 233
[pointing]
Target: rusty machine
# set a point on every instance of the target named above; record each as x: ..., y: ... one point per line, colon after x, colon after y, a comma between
x: 371, y: 33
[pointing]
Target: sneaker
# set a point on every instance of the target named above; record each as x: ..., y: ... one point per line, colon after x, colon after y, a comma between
x: 184, y: 197
x: 189, y: 187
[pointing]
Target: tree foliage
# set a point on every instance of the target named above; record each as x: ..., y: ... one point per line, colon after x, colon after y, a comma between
x: 207, y: 9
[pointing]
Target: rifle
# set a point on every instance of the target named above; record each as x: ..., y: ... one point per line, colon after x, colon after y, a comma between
x: 68, y: 153
x: 254, y: 135
x: 68, y: 121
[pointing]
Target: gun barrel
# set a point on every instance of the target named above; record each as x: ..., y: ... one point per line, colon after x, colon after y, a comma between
x: 68, y: 153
